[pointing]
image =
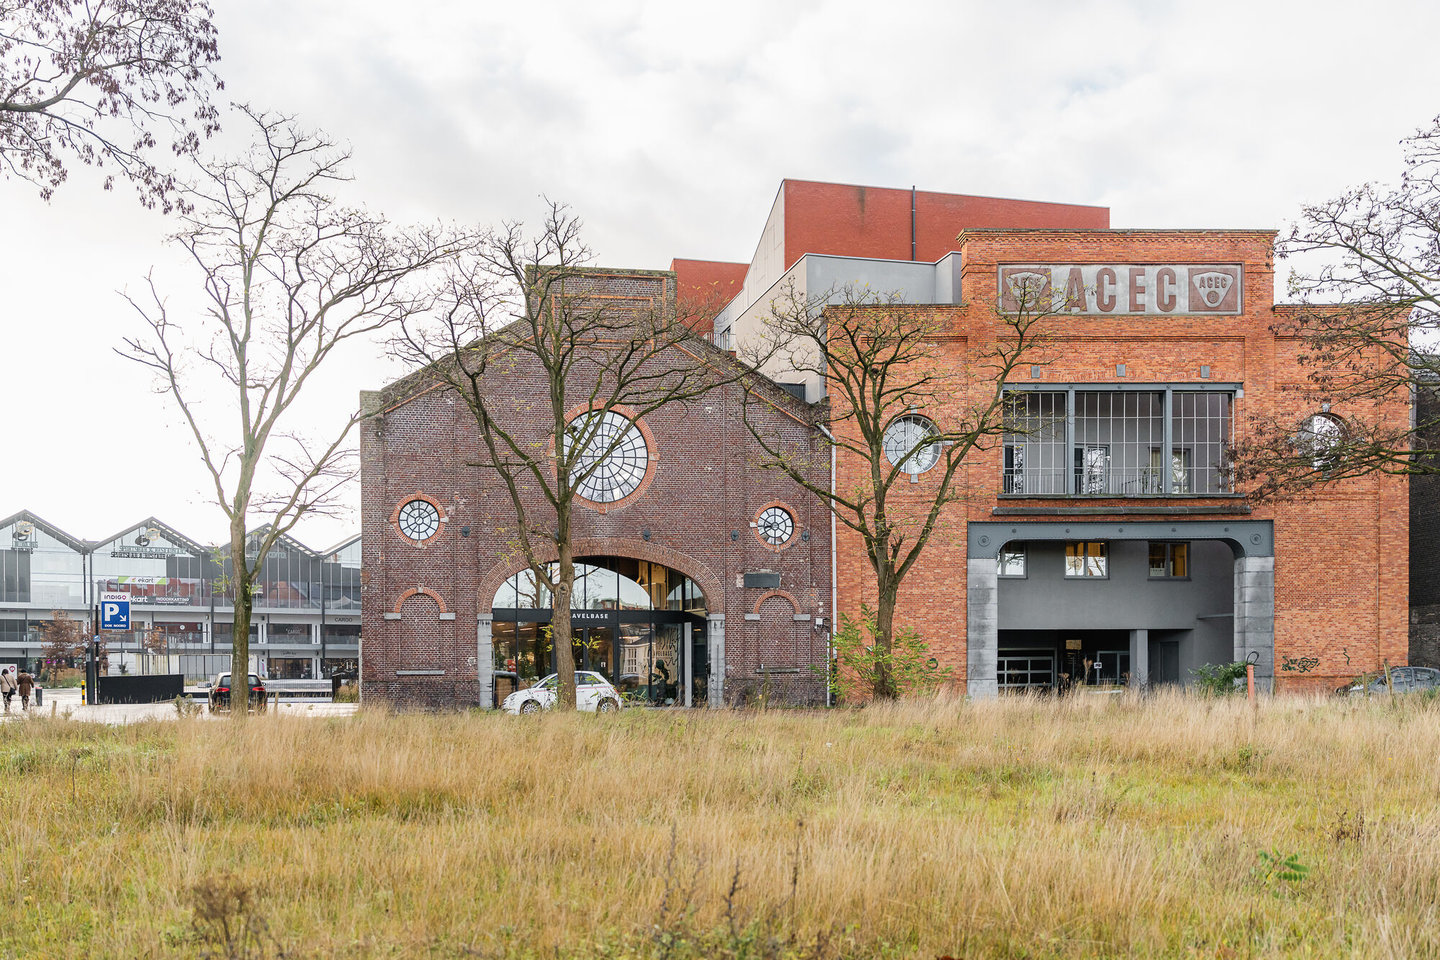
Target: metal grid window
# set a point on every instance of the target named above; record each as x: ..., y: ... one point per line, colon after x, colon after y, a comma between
x: 1114, y: 432
x: 1025, y: 671
x: 1035, y: 443
x: 1158, y: 441
x: 615, y: 456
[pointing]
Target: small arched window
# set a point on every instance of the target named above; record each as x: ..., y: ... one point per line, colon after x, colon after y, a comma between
x: 1320, y: 438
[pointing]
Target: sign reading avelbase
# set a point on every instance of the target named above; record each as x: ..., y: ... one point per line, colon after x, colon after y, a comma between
x: 114, y: 611
x: 1122, y: 289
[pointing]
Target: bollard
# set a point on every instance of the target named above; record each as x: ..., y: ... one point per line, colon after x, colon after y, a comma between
x: 39, y: 697
x: 83, y: 698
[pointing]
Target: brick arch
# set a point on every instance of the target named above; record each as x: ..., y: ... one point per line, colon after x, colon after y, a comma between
x: 794, y: 604
x: 709, y: 583
x: 417, y: 592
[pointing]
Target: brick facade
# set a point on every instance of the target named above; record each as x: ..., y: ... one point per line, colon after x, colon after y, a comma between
x: 1328, y: 599
x: 1340, y: 554
x: 694, y: 513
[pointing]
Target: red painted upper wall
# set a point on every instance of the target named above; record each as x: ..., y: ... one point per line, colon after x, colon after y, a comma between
x: 845, y: 220
x: 704, y: 286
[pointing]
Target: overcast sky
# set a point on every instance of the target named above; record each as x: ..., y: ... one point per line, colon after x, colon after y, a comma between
x: 669, y: 126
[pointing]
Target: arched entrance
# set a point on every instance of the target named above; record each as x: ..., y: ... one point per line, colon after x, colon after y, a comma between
x: 1052, y: 603
x: 638, y: 623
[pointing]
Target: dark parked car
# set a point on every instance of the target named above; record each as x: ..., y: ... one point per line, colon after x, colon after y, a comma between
x: 1402, y: 680
x: 220, y: 692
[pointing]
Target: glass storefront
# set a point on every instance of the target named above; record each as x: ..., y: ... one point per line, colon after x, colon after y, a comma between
x: 292, y: 668
x: 629, y: 623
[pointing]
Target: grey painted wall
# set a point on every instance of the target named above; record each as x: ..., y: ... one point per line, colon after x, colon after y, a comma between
x: 1128, y: 600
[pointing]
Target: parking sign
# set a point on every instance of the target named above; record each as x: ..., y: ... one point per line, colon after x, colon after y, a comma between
x: 114, y: 611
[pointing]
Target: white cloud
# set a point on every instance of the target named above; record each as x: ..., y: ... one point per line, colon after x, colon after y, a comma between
x: 668, y: 126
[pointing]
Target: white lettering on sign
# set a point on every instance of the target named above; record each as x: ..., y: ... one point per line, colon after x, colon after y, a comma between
x: 1122, y: 289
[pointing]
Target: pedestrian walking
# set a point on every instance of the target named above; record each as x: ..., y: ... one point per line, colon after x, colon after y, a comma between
x: 7, y: 687
x: 25, y: 684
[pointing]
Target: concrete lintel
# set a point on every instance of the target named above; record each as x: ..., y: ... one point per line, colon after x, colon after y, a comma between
x: 1253, y: 540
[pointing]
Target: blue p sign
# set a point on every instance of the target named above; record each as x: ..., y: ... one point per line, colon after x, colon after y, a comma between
x: 114, y: 611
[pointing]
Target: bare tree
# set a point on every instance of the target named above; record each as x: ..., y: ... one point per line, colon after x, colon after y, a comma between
x: 530, y: 309
x: 290, y: 277
x: 1366, y: 284
x: 883, y: 368
x: 97, y: 80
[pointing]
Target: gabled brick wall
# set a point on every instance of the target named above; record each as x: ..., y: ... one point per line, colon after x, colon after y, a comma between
x: 697, y: 506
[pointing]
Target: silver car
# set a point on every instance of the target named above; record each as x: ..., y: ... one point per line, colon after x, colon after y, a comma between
x: 592, y: 692
x: 1402, y: 680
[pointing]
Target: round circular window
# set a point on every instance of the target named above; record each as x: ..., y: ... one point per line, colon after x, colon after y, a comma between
x: 613, y: 458
x: 419, y: 520
x: 906, y: 438
x: 776, y: 525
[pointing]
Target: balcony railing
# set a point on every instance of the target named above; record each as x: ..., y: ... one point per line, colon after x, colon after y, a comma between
x: 289, y: 595
x: 1092, y: 482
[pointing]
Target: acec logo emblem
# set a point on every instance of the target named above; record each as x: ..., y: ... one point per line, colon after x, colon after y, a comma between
x: 1212, y: 286
x: 1027, y: 286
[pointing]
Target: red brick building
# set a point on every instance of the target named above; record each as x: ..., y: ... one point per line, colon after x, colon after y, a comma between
x: 1104, y: 543
x: 700, y: 566
x: 1110, y: 542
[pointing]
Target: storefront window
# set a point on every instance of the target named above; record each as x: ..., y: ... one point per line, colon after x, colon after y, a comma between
x: 225, y: 630
x: 341, y: 632
x: 292, y: 668
x: 532, y: 651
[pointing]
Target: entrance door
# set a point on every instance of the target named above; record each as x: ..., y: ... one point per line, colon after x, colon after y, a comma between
x: 594, y: 649
x: 1164, y: 661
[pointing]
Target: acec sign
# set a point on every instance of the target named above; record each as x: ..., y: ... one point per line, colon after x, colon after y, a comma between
x: 1124, y: 289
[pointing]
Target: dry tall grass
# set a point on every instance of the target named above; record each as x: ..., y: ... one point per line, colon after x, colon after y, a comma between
x: 1020, y: 828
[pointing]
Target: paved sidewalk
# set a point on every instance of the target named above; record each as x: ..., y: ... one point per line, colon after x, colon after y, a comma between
x: 66, y: 702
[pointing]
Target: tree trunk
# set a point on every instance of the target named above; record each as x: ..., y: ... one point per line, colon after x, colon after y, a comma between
x: 885, y: 637
x: 560, y: 630
x: 242, y: 579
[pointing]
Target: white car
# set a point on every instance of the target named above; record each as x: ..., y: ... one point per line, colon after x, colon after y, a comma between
x: 592, y: 692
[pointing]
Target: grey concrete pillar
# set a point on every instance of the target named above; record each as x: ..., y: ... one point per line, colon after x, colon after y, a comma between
x: 1255, y: 616
x: 1140, y: 658
x: 485, y: 662
x: 687, y: 641
x: 982, y: 619
x: 715, y: 639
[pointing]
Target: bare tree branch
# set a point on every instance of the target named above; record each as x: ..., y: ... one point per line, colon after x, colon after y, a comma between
x: 1366, y: 325
x: 882, y: 361
x: 97, y: 79
x: 289, y: 278
x: 533, y: 305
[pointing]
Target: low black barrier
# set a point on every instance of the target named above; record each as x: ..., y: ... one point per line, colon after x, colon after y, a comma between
x: 144, y: 689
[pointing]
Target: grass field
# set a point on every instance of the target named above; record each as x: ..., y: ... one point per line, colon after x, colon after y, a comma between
x: 1089, y: 827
